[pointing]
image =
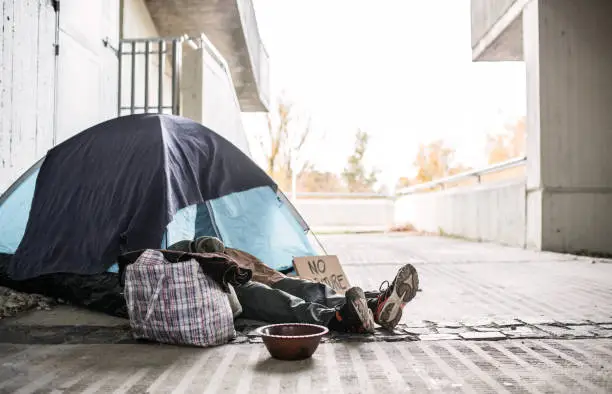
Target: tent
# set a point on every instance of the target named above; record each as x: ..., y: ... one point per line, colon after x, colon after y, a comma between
x: 143, y: 181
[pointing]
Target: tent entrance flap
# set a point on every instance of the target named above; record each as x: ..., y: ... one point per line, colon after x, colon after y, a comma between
x: 259, y: 223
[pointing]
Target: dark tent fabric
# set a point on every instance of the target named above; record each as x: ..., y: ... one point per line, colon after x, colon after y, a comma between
x: 134, y: 182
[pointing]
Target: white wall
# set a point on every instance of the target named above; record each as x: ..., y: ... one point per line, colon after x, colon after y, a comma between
x: 27, y: 65
x: 137, y: 21
x: 488, y: 212
x: 44, y: 98
x: 87, y: 69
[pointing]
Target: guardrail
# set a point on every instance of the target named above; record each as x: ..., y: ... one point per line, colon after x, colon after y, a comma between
x: 477, y: 173
x: 150, y: 50
x: 159, y: 48
x: 472, y: 174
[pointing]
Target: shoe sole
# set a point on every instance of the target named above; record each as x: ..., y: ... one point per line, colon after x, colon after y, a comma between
x: 406, y: 287
x: 359, y: 304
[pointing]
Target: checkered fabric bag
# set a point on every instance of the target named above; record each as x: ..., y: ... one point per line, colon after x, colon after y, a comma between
x: 176, y: 303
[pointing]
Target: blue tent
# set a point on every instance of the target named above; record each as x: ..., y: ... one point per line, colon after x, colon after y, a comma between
x: 143, y: 181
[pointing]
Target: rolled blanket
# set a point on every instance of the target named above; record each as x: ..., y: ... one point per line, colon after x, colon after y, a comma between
x: 207, y: 245
x: 261, y: 272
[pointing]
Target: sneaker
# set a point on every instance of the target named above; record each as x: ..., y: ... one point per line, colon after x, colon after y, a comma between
x: 354, y: 316
x: 390, y: 302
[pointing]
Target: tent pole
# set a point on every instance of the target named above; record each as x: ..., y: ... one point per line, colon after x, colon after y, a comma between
x: 293, y: 177
x: 319, y: 242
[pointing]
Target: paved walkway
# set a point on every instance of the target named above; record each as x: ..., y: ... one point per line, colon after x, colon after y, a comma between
x: 476, y: 282
x: 552, y: 314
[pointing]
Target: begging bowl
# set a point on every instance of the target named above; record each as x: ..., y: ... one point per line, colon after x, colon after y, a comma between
x: 292, y: 341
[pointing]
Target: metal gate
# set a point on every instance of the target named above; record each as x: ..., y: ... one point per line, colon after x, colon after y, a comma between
x: 150, y: 76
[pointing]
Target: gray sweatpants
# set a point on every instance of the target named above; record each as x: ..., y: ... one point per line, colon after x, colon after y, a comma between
x: 293, y: 300
x: 289, y: 300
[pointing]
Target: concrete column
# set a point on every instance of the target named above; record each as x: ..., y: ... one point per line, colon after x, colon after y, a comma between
x: 568, y: 55
x: 209, y: 97
x: 192, y: 85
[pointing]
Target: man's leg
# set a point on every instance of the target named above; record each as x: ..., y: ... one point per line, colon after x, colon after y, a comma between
x: 352, y: 309
x: 261, y: 302
x: 311, y: 291
x: 274, y: 305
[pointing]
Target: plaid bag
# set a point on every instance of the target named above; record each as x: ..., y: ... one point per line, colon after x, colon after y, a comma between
x: 176, y: 303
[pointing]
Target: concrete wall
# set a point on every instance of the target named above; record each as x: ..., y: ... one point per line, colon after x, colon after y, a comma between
x: 497, y: 30
x: 485, y: 13
x: 86, y: 86
x: 27, y: 80
x: 44, y: 98
x: 491, y: 212
x: 209, y: 96
x: 347, y: 214
x: 568, y: 55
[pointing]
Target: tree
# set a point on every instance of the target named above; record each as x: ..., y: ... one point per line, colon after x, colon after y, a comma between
x: 312, y: 180
x: 508, y: 144
x: 285, y: 139
x: 433, y: 161
x: 355, y: 175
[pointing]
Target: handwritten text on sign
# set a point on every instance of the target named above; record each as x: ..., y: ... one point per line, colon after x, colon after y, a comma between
x: 323, y: 269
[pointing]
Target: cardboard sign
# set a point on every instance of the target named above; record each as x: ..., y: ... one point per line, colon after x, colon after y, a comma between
x: 323, y: 269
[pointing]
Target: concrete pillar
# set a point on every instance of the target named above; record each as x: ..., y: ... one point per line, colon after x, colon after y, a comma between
x: 209, y: 97
x: 192, y: 85
x: 568, y: 55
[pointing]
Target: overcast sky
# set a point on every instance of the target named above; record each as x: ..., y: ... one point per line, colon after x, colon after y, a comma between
x: 399, y: 69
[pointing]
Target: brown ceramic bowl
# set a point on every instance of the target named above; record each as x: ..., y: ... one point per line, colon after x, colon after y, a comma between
x: 292, y: 341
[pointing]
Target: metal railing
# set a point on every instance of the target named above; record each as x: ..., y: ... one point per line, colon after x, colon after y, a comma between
x: 472, y: 174
x: 476, y: 174
x: 149, y: 50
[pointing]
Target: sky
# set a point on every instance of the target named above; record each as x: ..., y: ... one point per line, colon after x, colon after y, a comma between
x: 399, y: 69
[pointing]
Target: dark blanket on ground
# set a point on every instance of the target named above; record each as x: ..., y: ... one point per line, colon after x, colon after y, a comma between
x: 104, y: 292
x: 98, y: 292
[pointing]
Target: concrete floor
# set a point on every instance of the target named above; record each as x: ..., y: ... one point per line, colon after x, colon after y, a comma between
x: 465, y: 285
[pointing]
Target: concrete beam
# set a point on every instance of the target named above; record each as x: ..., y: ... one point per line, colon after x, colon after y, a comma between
x: 497, y: 30
x: 231, y: 26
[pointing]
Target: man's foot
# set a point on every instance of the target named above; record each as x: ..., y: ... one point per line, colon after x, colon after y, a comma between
x: 389, y: 305
x: 354, y: 316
